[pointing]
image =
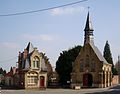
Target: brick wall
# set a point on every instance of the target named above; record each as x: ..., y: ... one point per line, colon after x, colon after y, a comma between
x: 115, y: 80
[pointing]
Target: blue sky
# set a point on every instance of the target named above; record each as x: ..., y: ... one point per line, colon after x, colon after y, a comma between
x: 56, y: 30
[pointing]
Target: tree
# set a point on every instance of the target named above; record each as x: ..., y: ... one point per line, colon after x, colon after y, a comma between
x: 64, y: 64
x: 3, y: 72
x: 108, y: 56
x: 117, y: 66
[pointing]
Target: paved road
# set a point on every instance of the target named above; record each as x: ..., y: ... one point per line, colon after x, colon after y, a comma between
x: 112, y: 90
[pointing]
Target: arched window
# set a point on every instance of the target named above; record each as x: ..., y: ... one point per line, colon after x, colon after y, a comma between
x: 93, y: 66
x: 36, y: 62
x: 87, y: 61
x: 81, y: 65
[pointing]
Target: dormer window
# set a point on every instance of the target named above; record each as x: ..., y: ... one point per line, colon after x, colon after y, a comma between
x: 36, y: 63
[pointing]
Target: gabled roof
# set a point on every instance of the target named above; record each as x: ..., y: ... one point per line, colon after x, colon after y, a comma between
x: 89, y: 39
x: 27, y: 63
x: 98, y: 53
x: 43, y: 66
x: 9, y: 74
x: 30, y: 47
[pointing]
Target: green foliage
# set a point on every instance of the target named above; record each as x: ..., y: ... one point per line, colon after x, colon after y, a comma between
x: 107, y: 53
x: 108, y: 56
x: 3, y: 72
x: 115, y: 72
x: 64, y: 64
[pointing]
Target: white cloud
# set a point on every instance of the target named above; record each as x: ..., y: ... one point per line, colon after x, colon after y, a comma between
x: 42, y: 37
x: 68, y: 10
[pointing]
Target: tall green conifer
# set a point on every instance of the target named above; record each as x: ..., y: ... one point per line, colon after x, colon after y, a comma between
x: 108, y: 56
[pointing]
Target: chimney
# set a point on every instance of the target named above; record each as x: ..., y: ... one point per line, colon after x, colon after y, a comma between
x: 25, y: 53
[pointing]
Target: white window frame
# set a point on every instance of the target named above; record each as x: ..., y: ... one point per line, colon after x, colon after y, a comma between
x: 32, y: 80
x: 36, y: 63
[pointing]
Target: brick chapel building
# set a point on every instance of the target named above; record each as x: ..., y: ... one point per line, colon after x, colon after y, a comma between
x: 34, y: 68
x: 90, y: 68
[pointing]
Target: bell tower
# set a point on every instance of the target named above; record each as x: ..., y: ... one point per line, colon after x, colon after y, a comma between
x: 88, y: 37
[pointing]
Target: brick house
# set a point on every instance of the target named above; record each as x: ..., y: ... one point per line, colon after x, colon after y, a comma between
x: 34, y: 68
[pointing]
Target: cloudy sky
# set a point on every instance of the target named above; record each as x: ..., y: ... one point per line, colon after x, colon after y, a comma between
x: 58, y: 29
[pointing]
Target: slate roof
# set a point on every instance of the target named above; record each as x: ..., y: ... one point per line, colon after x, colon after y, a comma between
x: 98, y: 53
x: 89, y: 32
x: 9, y: 74
x: 30, y: 47
x: 26, y: 62
x: 43, y: 66
x: 88, y: 26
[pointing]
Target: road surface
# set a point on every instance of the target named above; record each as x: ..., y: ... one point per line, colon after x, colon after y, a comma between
x: 111, y: 90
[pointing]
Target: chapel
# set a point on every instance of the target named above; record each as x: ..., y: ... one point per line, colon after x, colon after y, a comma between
x: 90, y: 68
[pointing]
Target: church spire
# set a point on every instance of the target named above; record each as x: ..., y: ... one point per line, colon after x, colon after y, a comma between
x: 88, y: 31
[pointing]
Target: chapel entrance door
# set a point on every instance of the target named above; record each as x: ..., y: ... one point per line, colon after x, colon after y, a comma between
x: 87, y: 80
x: 42, y: 80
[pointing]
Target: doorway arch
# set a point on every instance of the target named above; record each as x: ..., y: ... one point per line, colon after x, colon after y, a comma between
x: 87, y: 79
